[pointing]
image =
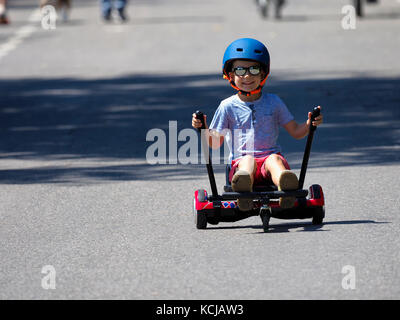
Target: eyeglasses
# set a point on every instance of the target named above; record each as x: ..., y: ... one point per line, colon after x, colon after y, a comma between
x: 241, y: 71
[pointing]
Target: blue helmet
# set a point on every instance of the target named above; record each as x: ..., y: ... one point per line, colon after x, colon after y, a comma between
x: 248, y: 49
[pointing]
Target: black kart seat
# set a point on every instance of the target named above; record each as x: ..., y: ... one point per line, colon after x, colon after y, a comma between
x: 265, y: 188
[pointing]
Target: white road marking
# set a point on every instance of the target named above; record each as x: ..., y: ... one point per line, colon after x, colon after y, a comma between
x: 20, y: 35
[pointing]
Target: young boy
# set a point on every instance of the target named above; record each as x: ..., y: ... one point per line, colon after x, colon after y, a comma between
x: 255, y: 156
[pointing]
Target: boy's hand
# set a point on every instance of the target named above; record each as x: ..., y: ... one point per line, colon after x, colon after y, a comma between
x: 318, y: 120
x: 196, y: 123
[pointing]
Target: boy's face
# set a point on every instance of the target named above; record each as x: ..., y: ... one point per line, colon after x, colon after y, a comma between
x: 248, y: 82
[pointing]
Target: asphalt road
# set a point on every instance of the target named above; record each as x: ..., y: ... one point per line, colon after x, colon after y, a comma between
x: 77, y: 193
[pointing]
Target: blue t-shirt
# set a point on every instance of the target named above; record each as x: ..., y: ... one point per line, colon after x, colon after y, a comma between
x: 251, y: 127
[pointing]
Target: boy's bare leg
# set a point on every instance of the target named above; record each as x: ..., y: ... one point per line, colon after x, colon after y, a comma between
x: 274, y: 165
x: 284, y: 179
x: 243, y: 179
x: 248, y: 164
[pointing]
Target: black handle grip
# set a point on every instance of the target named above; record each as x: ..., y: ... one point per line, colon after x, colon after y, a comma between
x: 315, y: 113
x: 200, y: 116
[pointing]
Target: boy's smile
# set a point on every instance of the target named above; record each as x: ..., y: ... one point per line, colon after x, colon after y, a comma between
x: 247, y: 82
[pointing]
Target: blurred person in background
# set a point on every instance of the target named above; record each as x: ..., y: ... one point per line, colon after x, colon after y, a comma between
x: 265, y: 4
x: 358, y: 4
x: 3, y: 12
x: 63, y: 6
x: 107, y: 7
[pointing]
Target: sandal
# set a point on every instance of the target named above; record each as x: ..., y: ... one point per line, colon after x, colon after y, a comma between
x: 287, y: 181
x: 241, y: 182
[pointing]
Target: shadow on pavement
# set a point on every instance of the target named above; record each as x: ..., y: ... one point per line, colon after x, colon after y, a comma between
x: 103, y: 120
x: 306, y: 226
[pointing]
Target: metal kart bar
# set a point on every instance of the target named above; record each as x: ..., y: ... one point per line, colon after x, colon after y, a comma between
x: 210, y: 170
x: 304, y: 164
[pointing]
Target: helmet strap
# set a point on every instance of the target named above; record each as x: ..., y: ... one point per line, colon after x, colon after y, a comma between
x: 246, y: 93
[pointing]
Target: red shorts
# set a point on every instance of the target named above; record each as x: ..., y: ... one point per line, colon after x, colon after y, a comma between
x: 261, y: 176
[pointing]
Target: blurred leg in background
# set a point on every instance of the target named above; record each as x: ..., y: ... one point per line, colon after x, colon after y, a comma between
x: 278, y: 8
x: 107, y: 7
x: 64, y: 6
x: 120, y: 6
x: 265, y: 4
x: 3, y: 12
x: 358, y: 5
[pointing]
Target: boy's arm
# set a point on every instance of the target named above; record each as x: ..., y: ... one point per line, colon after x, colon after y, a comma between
x: 214, y: 139
x: 299, y: 131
